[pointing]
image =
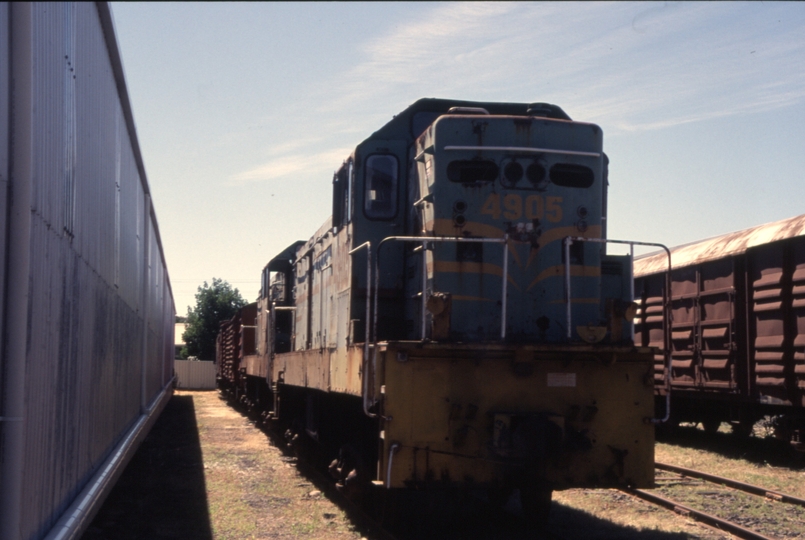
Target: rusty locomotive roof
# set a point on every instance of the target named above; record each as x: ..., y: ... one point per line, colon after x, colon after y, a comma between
x: 733, y: 243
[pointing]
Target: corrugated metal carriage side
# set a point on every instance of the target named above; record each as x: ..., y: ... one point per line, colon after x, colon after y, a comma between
x: 457, y: 321
x: 88, y: 313
x: 738, y: 326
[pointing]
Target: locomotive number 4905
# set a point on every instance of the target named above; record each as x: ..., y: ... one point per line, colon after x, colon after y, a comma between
x: 514, y: 207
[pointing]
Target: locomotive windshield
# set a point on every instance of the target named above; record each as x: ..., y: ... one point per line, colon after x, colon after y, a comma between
x: 469, y: 171
x: 380, y: 199
x: 569, y: 175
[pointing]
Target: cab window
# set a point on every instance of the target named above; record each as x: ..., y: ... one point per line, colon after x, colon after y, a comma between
x: 380, y: 196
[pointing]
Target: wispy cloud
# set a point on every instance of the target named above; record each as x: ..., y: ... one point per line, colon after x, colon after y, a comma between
x: 636, y: 67
x: 300, y: 164
x: 632, y: 66
x: 425, y: 50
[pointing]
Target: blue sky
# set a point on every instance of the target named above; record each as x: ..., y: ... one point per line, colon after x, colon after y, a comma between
x: 243, y: 111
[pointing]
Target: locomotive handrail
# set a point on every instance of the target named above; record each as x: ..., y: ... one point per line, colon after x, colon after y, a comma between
x: 666, y: 305
x: 365, y: 363
x: 425, y: 240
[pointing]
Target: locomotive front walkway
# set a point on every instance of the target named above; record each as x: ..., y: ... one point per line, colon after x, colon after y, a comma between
x: 205, y: 472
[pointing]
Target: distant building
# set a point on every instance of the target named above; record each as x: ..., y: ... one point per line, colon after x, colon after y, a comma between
x: 177, y: 339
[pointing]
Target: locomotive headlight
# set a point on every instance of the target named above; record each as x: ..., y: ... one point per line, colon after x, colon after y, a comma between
x: 535, y: 173
x: 513, y: 173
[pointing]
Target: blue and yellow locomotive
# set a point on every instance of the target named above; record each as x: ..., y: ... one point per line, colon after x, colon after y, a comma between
x: 457, y: 321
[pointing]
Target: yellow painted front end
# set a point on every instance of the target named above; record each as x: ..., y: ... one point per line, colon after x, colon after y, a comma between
x: 565, y: 416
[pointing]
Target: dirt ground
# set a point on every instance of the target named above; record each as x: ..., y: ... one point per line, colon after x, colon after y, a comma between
x: 205, y: 472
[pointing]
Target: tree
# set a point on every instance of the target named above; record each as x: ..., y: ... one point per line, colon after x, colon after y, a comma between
x: 214, y: 304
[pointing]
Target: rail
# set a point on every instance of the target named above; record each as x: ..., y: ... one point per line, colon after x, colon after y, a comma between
x: 666, y: 305
x: 734, y: 484
x: 687, y: 511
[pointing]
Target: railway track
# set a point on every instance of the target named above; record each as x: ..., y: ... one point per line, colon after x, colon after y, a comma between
x: 734, y: 484
x: 710, y: 519
x: 376, y: 525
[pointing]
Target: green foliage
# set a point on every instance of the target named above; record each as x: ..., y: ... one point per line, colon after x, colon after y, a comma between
x: 214, y: 304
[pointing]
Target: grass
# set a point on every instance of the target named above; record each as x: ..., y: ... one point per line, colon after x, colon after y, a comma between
x: 752, y: 471
x: 758, y: 460
x: 254, y: 491
x: 602, y: 514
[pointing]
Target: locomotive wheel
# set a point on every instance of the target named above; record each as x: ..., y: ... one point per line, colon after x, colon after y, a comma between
x: 349, y: 471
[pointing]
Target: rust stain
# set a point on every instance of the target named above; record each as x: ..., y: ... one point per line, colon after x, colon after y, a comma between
x: 720, y: 246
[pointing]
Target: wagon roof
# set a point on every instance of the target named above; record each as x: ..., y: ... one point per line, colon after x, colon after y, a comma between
x: 718, y: 247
